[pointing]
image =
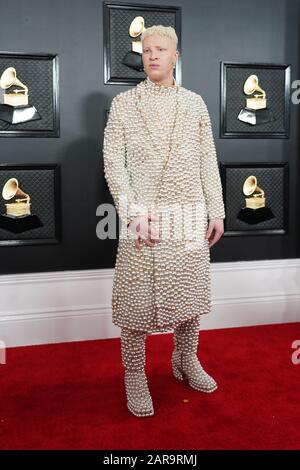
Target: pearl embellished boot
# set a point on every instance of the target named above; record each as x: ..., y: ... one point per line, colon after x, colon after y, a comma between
x: 185, y: 363
x: 133, y: 350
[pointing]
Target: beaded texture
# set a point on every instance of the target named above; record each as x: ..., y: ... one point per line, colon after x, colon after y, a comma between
x: 185, y: 362
x: 133, y: 353
x: 157, y: 288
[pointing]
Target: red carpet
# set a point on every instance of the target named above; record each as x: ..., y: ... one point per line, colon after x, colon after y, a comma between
x: 71, y: 396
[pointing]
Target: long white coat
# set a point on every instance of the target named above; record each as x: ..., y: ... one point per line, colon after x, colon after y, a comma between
x: 157, y: 288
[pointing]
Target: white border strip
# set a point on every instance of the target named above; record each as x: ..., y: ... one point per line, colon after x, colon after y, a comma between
x: 62, y: 306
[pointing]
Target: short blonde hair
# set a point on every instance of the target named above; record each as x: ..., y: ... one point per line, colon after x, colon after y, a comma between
x: 160, y: 30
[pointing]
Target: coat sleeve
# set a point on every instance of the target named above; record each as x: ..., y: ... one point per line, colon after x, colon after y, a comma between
x: 209, y: 170
x: 115, y: 168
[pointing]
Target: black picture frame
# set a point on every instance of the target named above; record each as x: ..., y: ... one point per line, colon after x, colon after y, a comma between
x: 40, y: 73
x: 273, y: 178
x: 42, y: 183
x: 117, y: 17
x: 276, y: 81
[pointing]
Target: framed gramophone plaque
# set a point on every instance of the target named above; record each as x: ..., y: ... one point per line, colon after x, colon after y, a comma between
x: 255, y: 100
x: 29, y: 102
x: 29, y: 204
x: 123, y: 24
x: 255, y: 197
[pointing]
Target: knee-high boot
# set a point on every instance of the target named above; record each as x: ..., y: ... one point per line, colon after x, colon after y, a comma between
x: 133, y: 352
x: 185, y: 363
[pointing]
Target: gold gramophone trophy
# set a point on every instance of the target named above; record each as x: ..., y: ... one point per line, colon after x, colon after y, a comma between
x: 256, y: 111
x: 255, y: 196
x: 133, y: 58
x: 18, y: 217
x: 14, y: 107
x: 255, y: 210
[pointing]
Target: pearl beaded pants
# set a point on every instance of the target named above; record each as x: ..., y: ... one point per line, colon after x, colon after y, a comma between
x: 133, y: 343
x: 186, y: 335
x: 133, y: 349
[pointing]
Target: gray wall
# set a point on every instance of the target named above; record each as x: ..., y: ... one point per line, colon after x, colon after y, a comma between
x: 212, y: 30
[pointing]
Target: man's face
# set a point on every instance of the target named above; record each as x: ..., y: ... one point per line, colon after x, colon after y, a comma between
x: 160, y: 51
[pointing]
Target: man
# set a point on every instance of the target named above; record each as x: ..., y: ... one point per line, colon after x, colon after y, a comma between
x: 160, y: 160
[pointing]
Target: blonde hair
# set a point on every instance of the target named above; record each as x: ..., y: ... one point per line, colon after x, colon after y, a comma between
x: 160, y: 30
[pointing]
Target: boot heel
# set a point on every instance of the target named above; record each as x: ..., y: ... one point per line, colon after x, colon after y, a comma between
x: 178, y: 374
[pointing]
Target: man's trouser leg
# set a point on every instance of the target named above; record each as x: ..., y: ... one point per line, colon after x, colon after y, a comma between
x: 133, y: 352
x: 185, y: 363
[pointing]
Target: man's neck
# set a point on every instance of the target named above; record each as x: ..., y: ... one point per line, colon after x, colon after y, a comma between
x: 169, y: 81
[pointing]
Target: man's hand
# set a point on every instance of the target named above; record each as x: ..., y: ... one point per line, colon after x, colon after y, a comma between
x: 215, y: 231
x: 142, y: 230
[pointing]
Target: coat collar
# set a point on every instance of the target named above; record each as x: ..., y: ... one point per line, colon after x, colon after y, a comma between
x: 152, y: 87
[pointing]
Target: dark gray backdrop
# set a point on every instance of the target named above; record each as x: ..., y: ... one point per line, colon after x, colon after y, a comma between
x: 212, y: 30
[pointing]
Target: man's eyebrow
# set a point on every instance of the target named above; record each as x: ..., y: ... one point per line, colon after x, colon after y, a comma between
x: 154, y: 46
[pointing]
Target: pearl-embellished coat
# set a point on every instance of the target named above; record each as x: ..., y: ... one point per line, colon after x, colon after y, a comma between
x: 156, y: 288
